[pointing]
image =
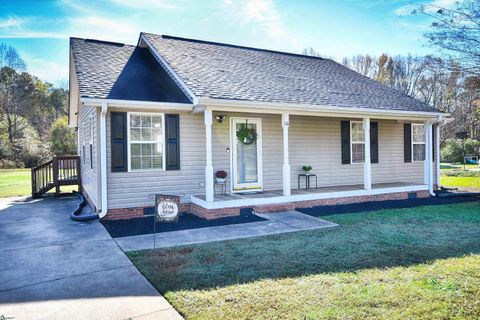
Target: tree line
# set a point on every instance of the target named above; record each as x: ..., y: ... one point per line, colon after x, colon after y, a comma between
x: 448, y: 81
x: 33, y: 123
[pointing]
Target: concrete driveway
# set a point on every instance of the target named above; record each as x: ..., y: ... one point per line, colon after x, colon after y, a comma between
x: 55, y: 268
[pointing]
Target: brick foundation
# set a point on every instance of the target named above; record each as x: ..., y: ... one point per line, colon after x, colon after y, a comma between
x: 210, y: 214
x: 289, y: 206
x: 128, y: 213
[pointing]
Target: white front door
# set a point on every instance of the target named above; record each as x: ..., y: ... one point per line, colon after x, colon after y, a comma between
x: 246, y: 156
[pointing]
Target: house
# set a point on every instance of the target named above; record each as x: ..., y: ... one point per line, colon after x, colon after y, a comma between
x: 164, y: 115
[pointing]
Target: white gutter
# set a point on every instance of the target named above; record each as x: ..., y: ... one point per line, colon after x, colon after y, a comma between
x: 103, y: 158
x: 97, y: 102
x: 278, y: 107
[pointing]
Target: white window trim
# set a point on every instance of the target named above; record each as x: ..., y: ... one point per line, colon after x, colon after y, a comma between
x: 91, y: 164
x: 84, y: 160
x: 91, y: 128
x: 164, y: 158
x: 351, y: 143
x: 424, y: 142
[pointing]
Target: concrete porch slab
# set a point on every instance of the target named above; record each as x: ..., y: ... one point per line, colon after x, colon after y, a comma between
x: 276, y: 223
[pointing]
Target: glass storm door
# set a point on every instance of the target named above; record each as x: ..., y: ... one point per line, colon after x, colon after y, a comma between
x: 247, y: 156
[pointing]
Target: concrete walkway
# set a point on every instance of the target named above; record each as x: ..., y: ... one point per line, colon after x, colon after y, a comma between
x: 55, y: 268
x: 278, y: 222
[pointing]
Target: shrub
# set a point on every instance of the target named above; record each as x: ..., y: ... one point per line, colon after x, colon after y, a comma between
x: 9, y: 164
x: 452, y: 150
x: 461, y: 173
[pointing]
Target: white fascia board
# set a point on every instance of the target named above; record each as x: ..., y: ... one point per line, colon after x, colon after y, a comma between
x: 169, y: 69
x: 128, y: 104
x: 73, y: 94
x: 302, y: 197
x: 320, y: 110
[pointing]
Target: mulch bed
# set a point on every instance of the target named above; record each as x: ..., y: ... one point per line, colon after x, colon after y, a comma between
x: 382, y: 205
x: 144, y: 225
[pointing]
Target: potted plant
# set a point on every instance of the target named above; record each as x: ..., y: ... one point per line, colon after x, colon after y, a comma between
x: 220, y: 176
x: 307, y: 169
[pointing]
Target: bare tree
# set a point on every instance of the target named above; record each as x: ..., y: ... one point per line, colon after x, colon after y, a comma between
x: 457, y: 31
x: 363, y: 64
x: 9, y: 57
x: 311, y: 52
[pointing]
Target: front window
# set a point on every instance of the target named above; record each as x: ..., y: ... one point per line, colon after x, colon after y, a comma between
x: 357, y: 141
x: 418, y: 142
x: 146, y: 141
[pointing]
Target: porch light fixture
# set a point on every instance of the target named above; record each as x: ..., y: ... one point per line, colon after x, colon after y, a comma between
x: 220, y: 118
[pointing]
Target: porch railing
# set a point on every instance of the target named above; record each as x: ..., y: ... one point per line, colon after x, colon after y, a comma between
x: 60, y: 171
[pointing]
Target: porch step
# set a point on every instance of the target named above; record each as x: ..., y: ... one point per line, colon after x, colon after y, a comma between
x: 274, y: 208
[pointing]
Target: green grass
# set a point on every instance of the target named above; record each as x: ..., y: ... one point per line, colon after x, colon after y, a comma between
x: 17, y: 182
x: 453, y: 175
x: 465, y: 182
x: 389, y: 264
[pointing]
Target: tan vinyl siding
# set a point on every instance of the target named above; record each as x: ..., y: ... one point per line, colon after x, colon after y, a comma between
x: 131, y: 189
x: 316, y: 141
x: 90, y: 184
x: 312, y: 140
x: 391, y: 166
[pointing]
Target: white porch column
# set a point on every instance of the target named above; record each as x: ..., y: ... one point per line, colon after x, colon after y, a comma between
x: 428, y: 156
x: 286, y: 162
x: 367, y: 166
x: 437, y: 153
x: 428, y: 163
x: 209, y: 192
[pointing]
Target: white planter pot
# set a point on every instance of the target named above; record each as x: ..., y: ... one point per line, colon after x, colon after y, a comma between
x: 220, y: 180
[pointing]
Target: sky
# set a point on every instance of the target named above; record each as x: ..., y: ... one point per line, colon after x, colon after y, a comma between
x: 40, y: 29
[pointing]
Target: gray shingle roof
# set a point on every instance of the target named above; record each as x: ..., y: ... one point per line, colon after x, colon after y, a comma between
x: 223, y: 71
x: 117, y: 71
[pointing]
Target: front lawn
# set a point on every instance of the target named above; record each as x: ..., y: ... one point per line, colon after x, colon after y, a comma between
x: 15, y: 182
x: 390, y: 264
x: 18, y: 182
x: 460, y: 182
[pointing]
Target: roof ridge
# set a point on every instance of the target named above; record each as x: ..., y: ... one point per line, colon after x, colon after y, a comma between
x: 112, y: 43
x: 164, y: 36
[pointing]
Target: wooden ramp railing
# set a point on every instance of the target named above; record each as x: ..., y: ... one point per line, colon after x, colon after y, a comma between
x: 60, y: 171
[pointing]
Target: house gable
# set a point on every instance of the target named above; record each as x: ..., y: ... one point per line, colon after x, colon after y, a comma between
x: 108, y: 70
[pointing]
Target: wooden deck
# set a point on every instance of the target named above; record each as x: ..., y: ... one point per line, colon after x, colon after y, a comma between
x: 60, y: 171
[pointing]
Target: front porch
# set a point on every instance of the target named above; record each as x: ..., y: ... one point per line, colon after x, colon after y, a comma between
x: 270, y: 201
x: 355, y: 159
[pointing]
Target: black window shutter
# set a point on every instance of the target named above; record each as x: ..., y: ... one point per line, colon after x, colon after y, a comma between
x: 407, y: 142
x: 118, y: 128
x: 91, y: 156
x: 374, y: 142
x: 345, y: 132
x: 172, y: 141
x: 433, y: 143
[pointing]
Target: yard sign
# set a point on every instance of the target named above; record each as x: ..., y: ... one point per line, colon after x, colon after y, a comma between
x: 166, y: 210
x: 166, y: 207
